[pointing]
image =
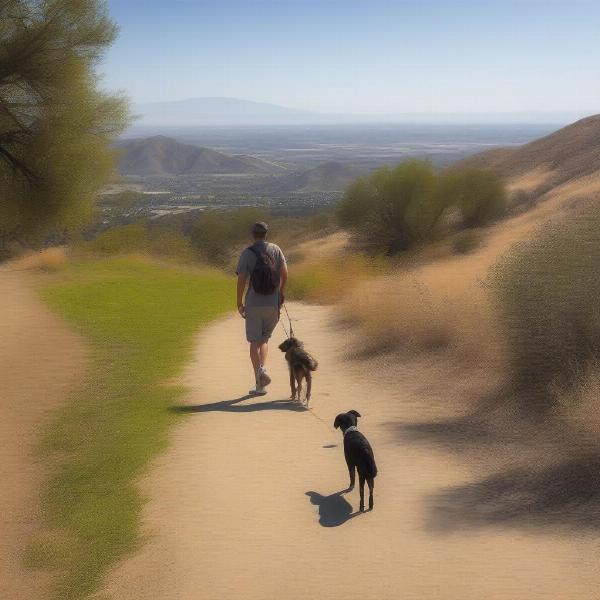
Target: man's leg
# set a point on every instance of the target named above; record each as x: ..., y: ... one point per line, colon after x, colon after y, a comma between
x: 255, y: 356
x: 260, y: 350
x: 263, y: 352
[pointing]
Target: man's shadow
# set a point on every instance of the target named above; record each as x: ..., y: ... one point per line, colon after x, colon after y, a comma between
x: 236, y: 406
x: 334, y: 510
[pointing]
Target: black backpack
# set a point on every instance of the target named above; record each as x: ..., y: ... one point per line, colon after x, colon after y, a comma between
x: 265, y: 276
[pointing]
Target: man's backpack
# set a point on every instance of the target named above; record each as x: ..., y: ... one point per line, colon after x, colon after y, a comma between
x: 265, y: 276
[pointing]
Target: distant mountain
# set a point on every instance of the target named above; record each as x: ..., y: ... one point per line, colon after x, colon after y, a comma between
x: 327, y: 177
x: 161, y: 155
x: 219, y: 111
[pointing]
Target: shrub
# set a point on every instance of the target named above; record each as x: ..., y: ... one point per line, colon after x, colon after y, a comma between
x: 479, y: 195
x: 394, y: 209
x: 329, y: 280
x: 548, y: 292
x: 140, y: 238
x: 216, y: 234
x: 466, y: 242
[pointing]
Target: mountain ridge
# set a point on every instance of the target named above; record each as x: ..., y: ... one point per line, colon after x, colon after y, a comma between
x: 572, y: 152
x: 162, y: 155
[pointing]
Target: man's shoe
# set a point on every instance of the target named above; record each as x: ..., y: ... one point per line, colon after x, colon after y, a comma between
x: 258, y: 391
x: 263, y: 379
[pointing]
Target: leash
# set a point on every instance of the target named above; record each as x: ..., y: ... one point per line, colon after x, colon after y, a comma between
x: 326, y: 425
x: 291, y: 332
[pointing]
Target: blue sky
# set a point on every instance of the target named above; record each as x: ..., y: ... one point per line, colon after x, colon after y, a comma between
x: 376, y: 56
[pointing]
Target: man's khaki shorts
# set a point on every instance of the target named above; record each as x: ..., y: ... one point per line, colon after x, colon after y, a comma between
x: 261, y: 322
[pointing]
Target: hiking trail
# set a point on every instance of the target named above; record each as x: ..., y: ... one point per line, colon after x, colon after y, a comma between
x: 245, y: 503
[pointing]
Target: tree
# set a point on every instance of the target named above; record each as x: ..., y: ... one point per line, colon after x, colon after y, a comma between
x: 217, y: 234
x: 56, y: 127
x: 394, y: 209
x: 478, y: 194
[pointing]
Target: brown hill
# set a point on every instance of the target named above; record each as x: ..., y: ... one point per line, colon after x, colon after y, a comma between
x: 327, y: 177
x: 571, y: 153
x: 160, y: 155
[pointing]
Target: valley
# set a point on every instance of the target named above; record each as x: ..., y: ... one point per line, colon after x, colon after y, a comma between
x: 287, y: 169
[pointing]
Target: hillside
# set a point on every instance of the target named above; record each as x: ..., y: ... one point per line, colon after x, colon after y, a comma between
x: 571, y: 153
x: 162, y: 155
x: 327, y: 177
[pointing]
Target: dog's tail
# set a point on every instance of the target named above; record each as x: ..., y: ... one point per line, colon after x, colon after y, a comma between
x: 312, y: 363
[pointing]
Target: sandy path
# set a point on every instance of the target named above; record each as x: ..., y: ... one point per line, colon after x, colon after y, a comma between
x: 229, y: 517
x: 40, y: 363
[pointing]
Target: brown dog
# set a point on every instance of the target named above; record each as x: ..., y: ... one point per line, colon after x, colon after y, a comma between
x: 301, y: 365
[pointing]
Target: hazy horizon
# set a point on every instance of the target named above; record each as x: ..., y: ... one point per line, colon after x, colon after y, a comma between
x: 356, y: 58
x: 219, y: 110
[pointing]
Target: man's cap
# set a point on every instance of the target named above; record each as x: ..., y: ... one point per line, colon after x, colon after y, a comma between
x: 260, y: 227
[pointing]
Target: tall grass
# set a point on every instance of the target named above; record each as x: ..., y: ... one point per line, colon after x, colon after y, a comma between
x: 548, y: 294
x: 140, y: 320
x: 327, y: 280
x: 435, y: 308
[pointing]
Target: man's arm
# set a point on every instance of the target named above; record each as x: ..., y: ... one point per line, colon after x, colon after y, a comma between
x: 283, y: 277
x: 241, y: 288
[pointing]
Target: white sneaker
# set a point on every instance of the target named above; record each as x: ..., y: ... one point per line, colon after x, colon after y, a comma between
x: 263, y: 379
x: 259, y: 390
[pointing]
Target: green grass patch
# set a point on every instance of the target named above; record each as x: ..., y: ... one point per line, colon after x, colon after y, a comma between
x: 140, y: 319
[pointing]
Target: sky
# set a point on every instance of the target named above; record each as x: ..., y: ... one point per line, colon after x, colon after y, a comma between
x: 368, y: 57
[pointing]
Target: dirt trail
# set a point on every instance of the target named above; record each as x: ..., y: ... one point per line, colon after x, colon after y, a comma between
x: 245, y: 503
x: 41, y: 361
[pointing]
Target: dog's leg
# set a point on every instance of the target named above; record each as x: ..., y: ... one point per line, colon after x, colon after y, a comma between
x: 308, y: 386
x: 299, y: 381
x: 292, y: 383
x: 371, y: 483
x: 361, y: 489
x: 352, y: 472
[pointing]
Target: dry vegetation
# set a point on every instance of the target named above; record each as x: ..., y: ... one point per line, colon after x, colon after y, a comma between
x: 439, y: 307
x: 548, y: 297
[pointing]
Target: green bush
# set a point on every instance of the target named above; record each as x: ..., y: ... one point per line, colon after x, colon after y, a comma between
x: 479, y: 195
x: 548, y: 292
x: 394, y: 209
x: 217, y: 234
x: 140, y: 238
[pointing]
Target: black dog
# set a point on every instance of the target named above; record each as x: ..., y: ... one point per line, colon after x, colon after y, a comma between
x: 359, y: 455
x: 301, y: 365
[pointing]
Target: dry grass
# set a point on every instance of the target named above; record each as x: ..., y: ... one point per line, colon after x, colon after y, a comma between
x: 333, y: 245
x: 50, y: 259
x: 530, y: 180
x: 579, y: 405
x: 328, y: 280
x: 440, y: 307
x: 548, y: 293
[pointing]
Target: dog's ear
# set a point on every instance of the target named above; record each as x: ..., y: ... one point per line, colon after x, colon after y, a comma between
x: 354, y: 412
x: 336, y: 423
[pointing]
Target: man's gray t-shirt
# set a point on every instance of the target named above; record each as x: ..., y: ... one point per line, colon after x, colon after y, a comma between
x: 246, y: 265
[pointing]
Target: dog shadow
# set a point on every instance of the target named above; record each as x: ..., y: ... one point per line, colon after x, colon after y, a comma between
x: 235, y: 406
x: 334, y: 510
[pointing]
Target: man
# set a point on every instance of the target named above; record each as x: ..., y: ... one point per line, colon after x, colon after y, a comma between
x: 262, y: 268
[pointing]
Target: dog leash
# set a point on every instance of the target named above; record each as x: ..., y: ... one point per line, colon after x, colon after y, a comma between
x: 291, y: 332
